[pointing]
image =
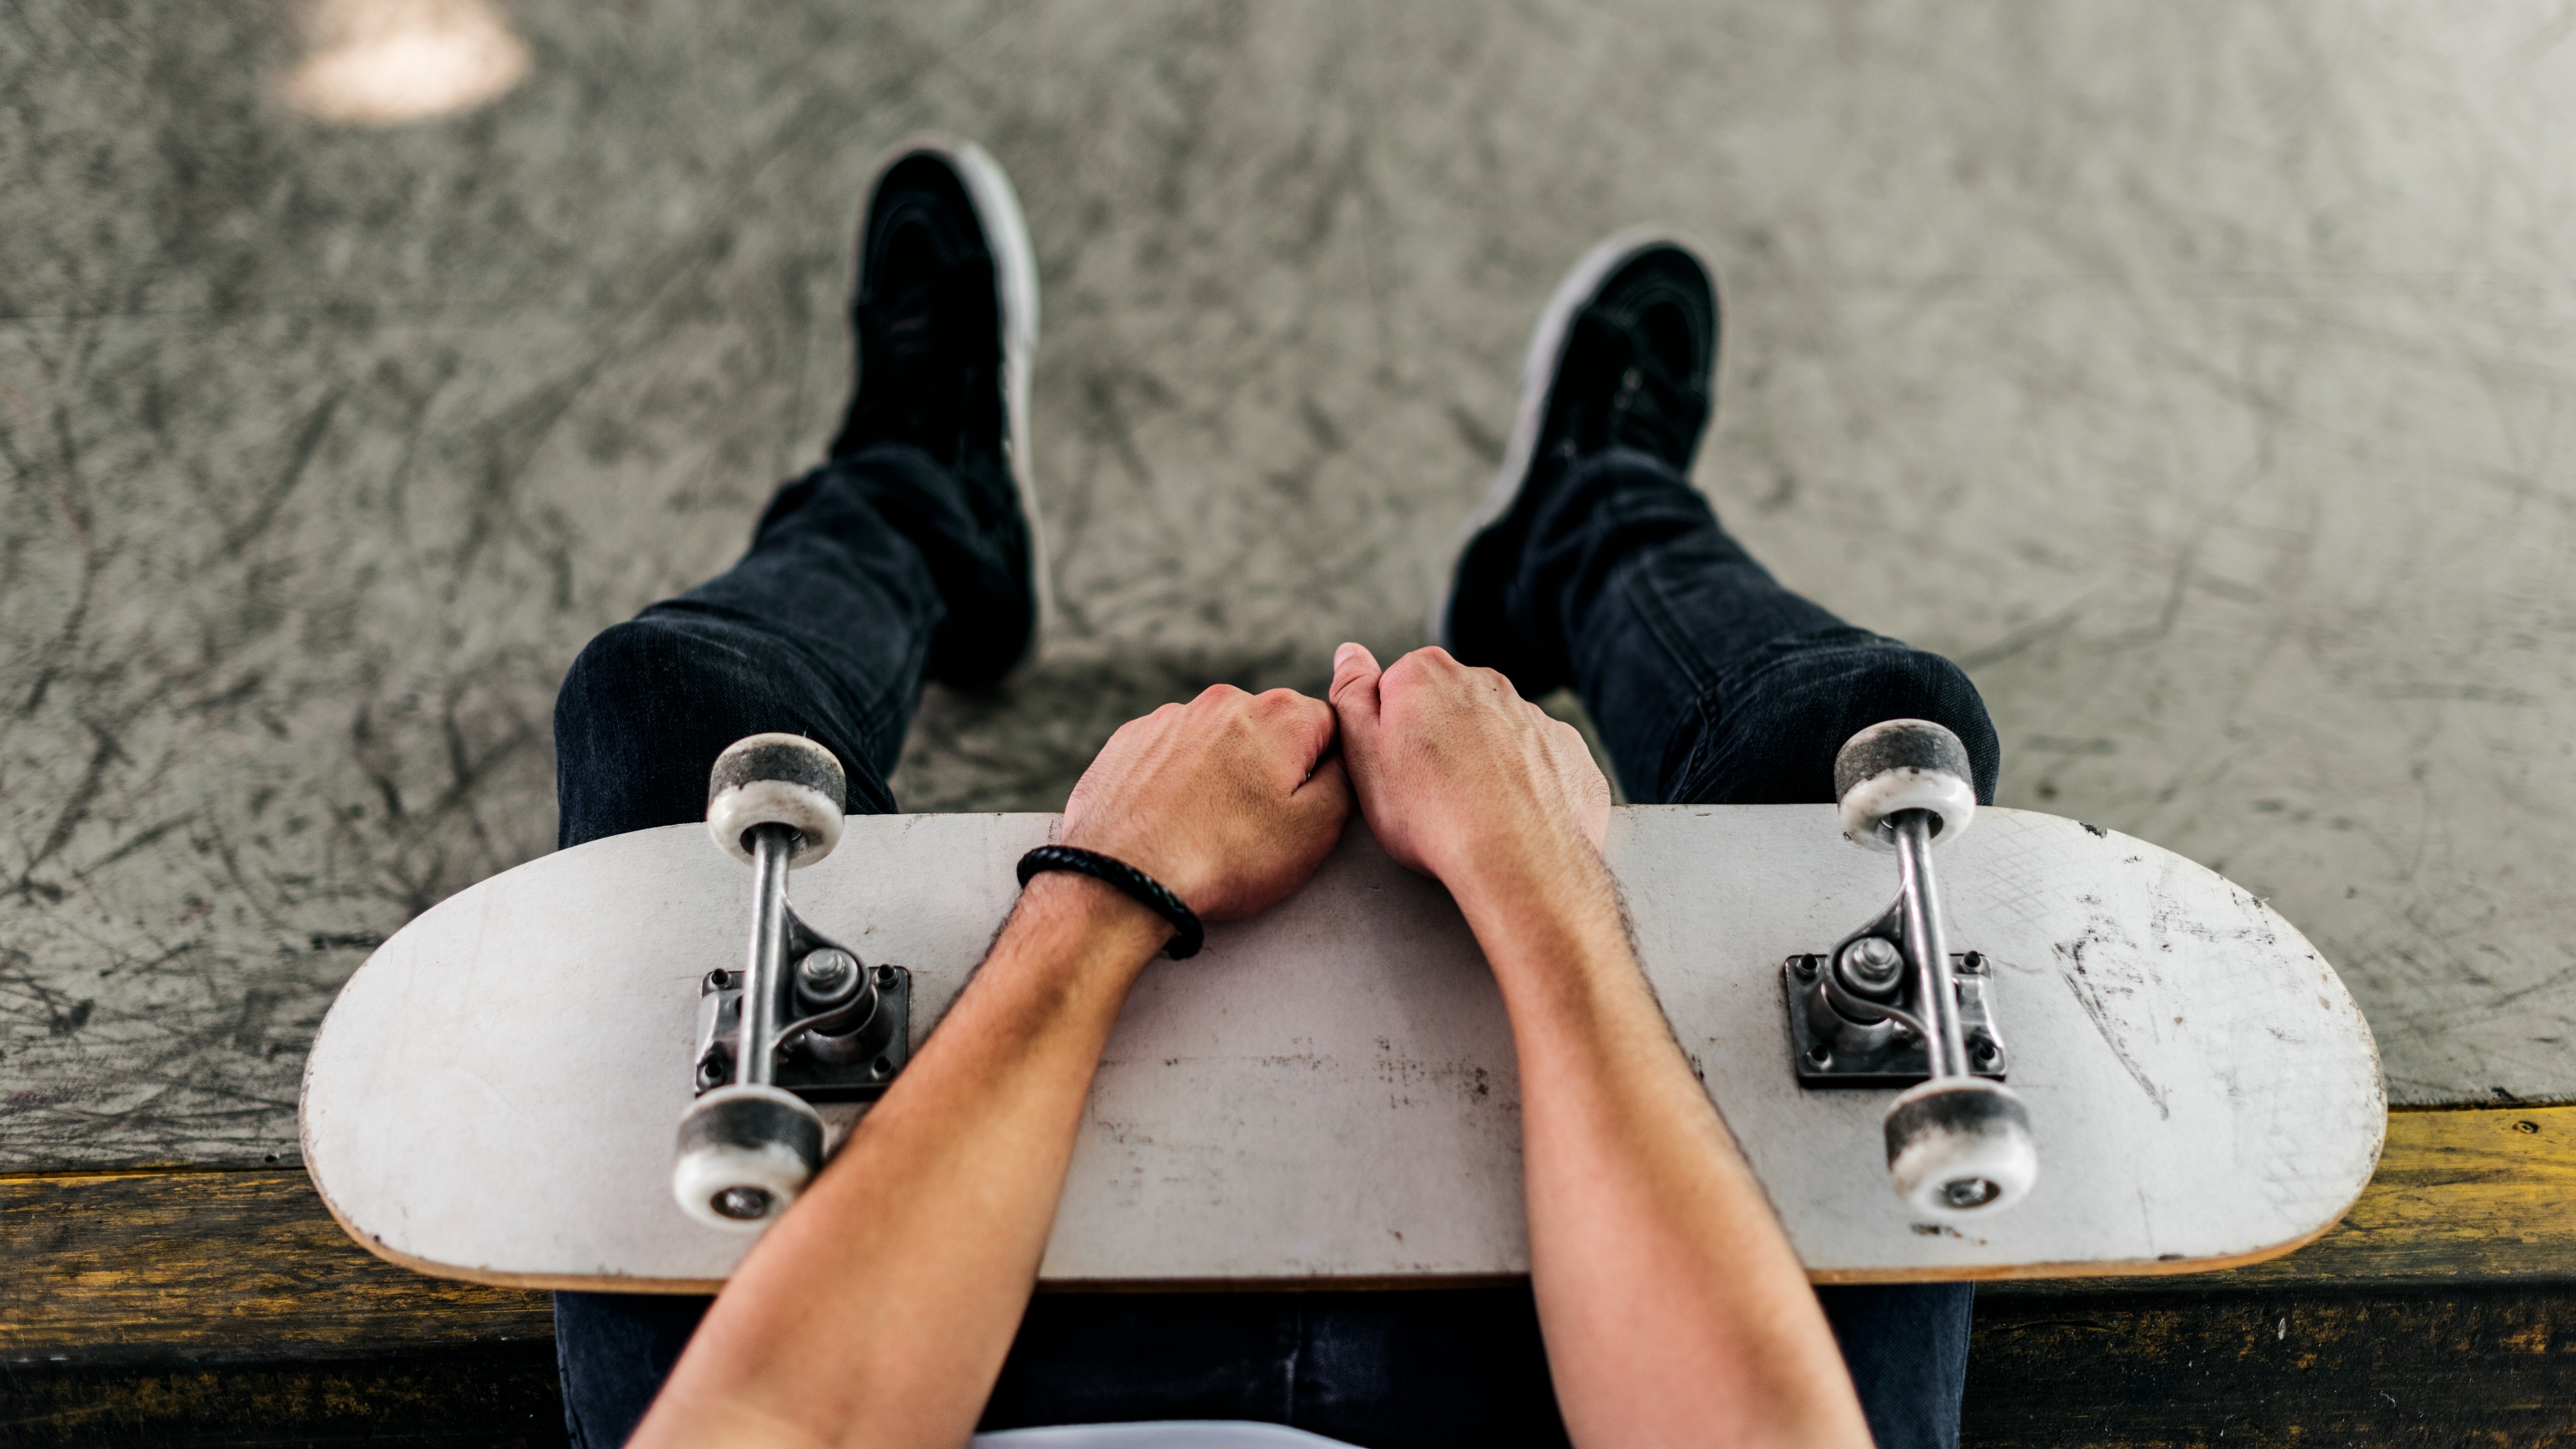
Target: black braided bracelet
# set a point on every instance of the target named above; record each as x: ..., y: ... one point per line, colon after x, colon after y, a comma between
x: 1187, y: 934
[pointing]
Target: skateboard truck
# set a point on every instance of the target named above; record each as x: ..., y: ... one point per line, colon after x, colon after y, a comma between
x: 1890, y: 1005
x: 803, y: 1021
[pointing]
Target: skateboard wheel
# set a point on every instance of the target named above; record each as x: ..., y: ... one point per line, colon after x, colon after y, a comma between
x: 745, y: 1152
x: 777, y: 779
x: 1903, y: 764
x: 1960, y: 1145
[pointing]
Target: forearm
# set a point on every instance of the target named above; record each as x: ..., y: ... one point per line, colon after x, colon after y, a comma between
x: 1674, y: 1308
x: 910, y: 1243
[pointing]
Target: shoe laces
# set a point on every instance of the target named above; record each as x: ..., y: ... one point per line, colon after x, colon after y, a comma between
x: 1649, y: 407
x: 922, y: 365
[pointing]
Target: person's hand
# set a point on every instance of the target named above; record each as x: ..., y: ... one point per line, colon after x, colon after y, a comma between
x: 1456, y: 771
x: 1230, y: 801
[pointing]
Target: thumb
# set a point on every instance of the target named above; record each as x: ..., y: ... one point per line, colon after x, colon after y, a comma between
x: 1354, y: 698
x: 1320, y: 806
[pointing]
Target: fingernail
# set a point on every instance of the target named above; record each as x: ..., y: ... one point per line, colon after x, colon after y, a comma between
x: 1343, y: 653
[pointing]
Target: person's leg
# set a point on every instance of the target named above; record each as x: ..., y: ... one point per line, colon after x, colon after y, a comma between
x: 1597, y: 565
x: 1907, y: 1348
x: 1709, y: 682
x: 612, y: 1352
x: 911, y: 554
x: 821, y: 630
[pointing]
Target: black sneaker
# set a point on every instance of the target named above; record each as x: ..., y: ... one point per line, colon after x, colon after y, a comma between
x: 946, y: 318
x: 1625, y: 356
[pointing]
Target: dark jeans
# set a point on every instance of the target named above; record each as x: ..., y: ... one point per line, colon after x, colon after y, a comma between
x: 1710, y: 683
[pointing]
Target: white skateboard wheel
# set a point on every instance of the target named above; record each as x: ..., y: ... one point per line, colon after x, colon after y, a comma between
x: 776, y: 779
x: 1903, y: 764
x: 1960, y: 1146
x: 745, y: 1152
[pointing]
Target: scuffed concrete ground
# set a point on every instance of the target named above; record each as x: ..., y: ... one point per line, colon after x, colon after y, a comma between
x: 2198, y: 376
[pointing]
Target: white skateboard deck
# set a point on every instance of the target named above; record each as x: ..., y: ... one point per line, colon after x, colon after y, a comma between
x: 1327, y: 1093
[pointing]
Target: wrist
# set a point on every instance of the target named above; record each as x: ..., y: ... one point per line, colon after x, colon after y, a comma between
x: 1544, y: 909
x: 1513, y: 876
x: 1188, y: 931
x: 1076, y: 921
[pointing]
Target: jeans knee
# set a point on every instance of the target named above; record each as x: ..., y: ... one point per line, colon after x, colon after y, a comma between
x: 1901, y: 682
x: 617, y: 767
x: 1768, y: 732
x: 614, y: 653
x: 649, y: 704
x: 657, y: 662
x: 609, y: 674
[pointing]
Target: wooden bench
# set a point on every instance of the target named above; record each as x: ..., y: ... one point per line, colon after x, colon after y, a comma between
x: 2442, y: 1307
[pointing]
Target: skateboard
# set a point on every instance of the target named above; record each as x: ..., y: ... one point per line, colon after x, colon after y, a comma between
x: 1953, y: 1043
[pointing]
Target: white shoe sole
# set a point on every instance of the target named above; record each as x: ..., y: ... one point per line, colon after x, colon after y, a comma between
x: 1538, y: 370
x: 1015, y: 269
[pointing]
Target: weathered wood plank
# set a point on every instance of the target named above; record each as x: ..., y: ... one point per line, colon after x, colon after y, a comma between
x: 2493, y: 1364
x: 248, y: 1264
x: 493, y: 1396
x: 213, y: 1265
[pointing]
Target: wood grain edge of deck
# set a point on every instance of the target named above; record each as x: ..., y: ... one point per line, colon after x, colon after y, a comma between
x: 179, y: 1262
x: 2461, y: 1194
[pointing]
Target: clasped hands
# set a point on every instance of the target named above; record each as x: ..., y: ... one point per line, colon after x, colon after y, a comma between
x: 1233, y: 799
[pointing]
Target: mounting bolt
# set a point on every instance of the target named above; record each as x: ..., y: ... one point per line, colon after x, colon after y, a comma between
x: 715, y: 1068
x: 1820, y: 1057
x: 1873, y: 963
x: 826, y: 978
